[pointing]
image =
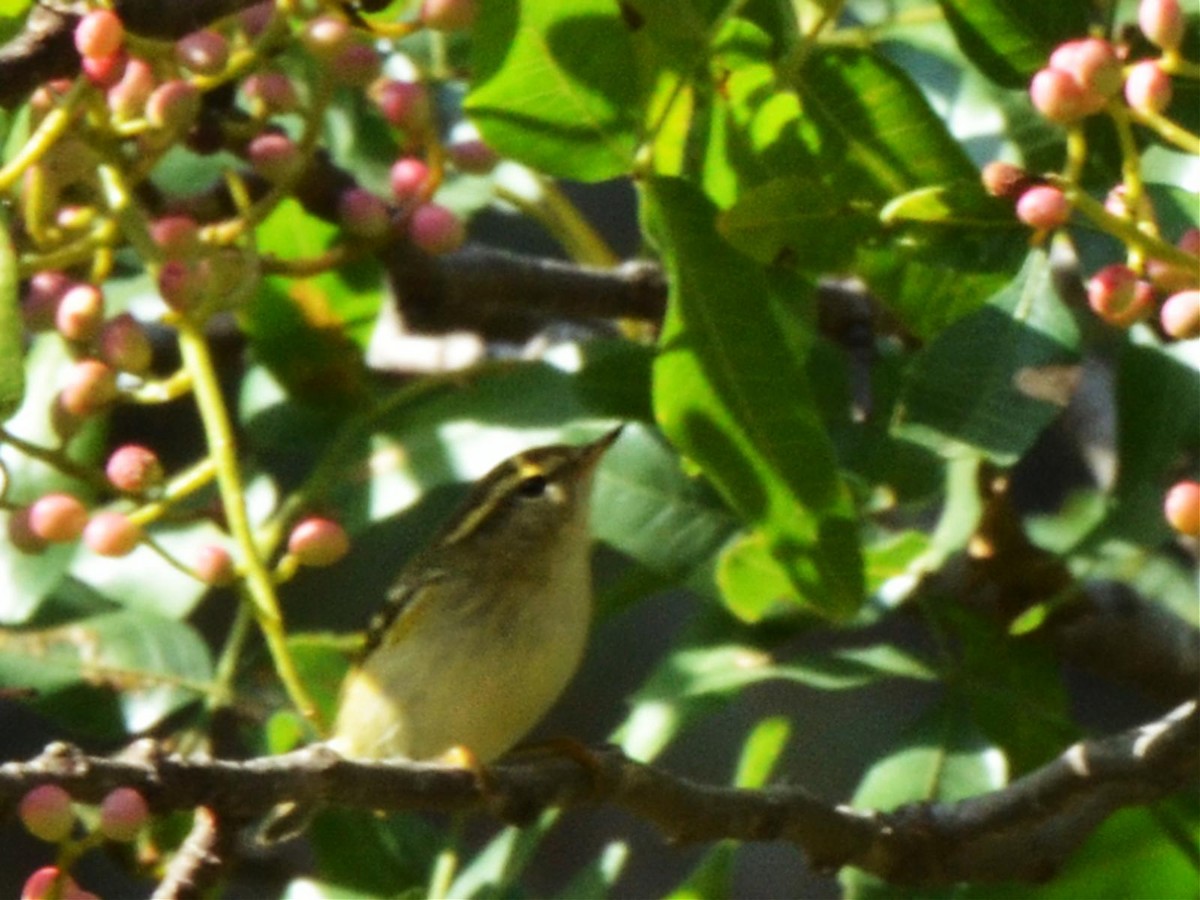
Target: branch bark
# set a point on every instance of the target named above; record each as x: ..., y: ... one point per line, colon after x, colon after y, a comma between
x: 1024, y: 831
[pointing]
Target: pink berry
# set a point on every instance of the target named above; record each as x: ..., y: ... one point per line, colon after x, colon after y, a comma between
x: 57, y: 518
x: 436, y: 229
x: 1118, y: 296
x: 1057, y: 97
x: 50, y: 882
x: 1001, y: 179
x: 124, y: 345
x: 98, y: 34
x: 90, y: 387
x: 111, y: 534
x: 1162, y: 22
x: 123, y: 812
x: 1092, y: 63
x: 318, y: 542
x: 1181, y: 507
x: 355, y: 65
x: 80, y: 313
x: 45, y: 292
x: 255, y: 19
x: 173, y: 106
x: 473, y: 156
x: 127, y: 98
x: 275, y: 156
x: 204, y: 52
x: 449, y: 15
x: 46, y: 813
x: 214, y: 565
x: 134, y: 468
x: 362, y: 213
x: 1180, y: 315
x: 410, y: 178
x: 404, y: 104
x: 1043, y: 207
x: 1148, y: 87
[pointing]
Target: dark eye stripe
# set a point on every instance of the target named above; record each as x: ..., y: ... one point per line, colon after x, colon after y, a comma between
x: 532, y: 486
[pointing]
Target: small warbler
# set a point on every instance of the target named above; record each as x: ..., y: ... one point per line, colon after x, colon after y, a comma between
x: 484, y: 629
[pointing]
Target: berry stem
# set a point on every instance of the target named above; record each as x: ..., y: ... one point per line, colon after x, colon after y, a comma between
x: 182, y: 485
x: 1124, y: 229
x: 56, y: 458
x: 222, y: 449
x: 1168, y: 130
x: 562, y: 219
x: 54, y: 126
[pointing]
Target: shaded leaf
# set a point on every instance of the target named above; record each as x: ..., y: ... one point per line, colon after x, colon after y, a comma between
x: 994, y: 380
x: 730, y: 390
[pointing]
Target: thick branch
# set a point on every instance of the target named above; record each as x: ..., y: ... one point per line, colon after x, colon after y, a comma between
x: 1024, y: 831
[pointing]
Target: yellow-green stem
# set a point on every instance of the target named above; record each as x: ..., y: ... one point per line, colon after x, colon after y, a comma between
x: 182, y: 485
x: 1168, y: 130
x: 259, y: 585
x: 48, y: 132
x: 231, y: 653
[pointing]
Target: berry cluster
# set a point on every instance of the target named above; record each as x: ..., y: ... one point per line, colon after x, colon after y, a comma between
x: 1094, y: 76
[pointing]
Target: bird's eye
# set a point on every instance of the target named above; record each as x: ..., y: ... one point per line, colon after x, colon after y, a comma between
x: 533, y: 486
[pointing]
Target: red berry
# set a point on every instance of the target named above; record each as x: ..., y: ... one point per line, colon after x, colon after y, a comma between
x: 214, y: 565
x: 123, y: 812
x: 255, y: 19
x: 1148, y: 87
x: 204, y: 52
x: 1118, y: 297
x: 318, y: 542
x: 57, y: 518
x: 104, y: 71
x: 1181, y: 507
x: 98, y: 34
x: 1180, y: 315
x: 1043, y: 207
x: 181, y: 284
x: 449, y: 15
x: 1162, y: 22
x: 436, y: 229
x: 1057, y: 97
x: 409, y: 177
x: 362, y: 213
x: 111, y: 534
x: 46, y: 813
x: 134, y: 468
x: 80, y: 312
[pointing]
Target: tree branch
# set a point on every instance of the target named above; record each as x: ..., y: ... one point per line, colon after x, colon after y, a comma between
x: 1024, y: 831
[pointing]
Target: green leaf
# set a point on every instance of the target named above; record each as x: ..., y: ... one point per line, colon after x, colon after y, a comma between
x: 597, y: 878
x: 712, y: 879
x: 994, y: 380
x: 12, y: 373
x: 761, y: 751
x: 372, y: 855
x: 753, y: 584
x: 153, y: 664
x: 730, y: 390
x: 1009, y: 40
x: 798, y: 221
x: 556, y: 86
x: 876, y: 131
